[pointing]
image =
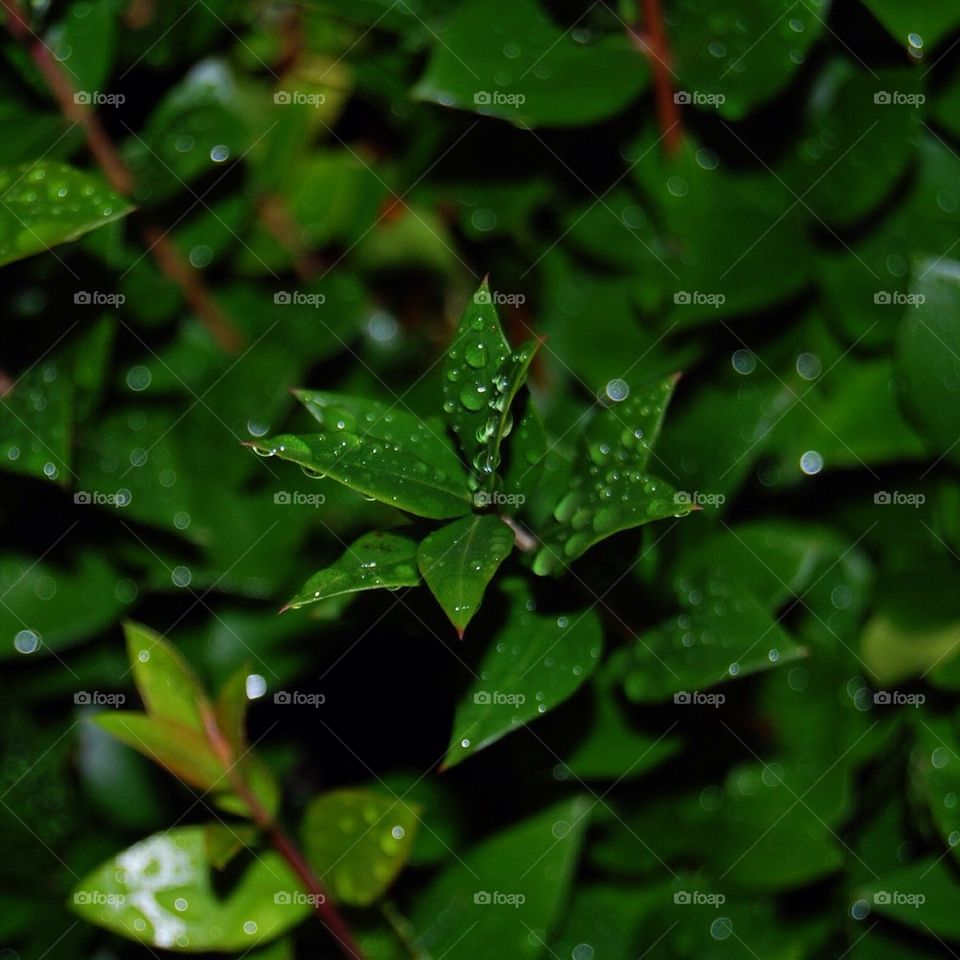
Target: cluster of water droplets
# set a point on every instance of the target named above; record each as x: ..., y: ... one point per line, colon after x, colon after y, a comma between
x: 50, y: 201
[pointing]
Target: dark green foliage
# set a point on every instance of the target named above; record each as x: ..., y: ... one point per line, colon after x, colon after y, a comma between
x: 618, y: 349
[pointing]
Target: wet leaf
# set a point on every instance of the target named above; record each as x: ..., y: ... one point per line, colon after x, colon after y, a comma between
x: 928, y: 344
x: 358, y: 841
x: 731, y: 60
x: 379, y: 560
x: 533, y: 664
x: 168, y: 686
x: 521, y: 67
x: 46, y: 203
x: 509, y: 885
x: 922, y: 895
x: 474, y: 399
x: 405, y: 476
x: 160, y: 892
x: 460, y: 559
x: 610, y: 489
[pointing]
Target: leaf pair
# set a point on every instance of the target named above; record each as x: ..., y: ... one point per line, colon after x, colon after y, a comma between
x: 201, y: 742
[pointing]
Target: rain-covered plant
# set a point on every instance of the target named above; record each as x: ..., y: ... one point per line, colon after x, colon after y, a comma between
x: 732, y: 732
x: 389, y: 454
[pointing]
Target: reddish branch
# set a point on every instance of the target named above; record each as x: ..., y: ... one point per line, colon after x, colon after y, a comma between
x: 325, y: 910
x: 652, y: 41
x: 170, y: 260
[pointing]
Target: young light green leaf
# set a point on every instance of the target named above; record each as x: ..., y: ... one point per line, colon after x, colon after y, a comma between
x: 532, y: 665
x: 474, y: 360
x: 393, y: 475
x: 610, y: 489
x: 460, y: 559
x: 358, y: 841
x: 168, y: 686
x: 47, y: 203
x: 182, y: 751
x: 528, y: 865
x: 160, y: 892
x: 382, y: 559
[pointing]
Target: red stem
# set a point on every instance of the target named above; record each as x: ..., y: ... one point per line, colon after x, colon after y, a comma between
x: 655, y: 45
x: 324, y: 908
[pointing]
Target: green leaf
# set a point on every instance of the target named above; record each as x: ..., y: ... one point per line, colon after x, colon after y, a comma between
x: 610, y: 489
x: 168, y: 686
x: 860, y: 121
x: 735, y: 58
x: 182, y: 751
x: 508, y: 892
x: 928, y: 346
x: 160, y: 892
x: 727, y: 635
x: 473, y: 362
x: 710, y: 262
x: 460, y: 559
x: 521, y: 67
x: 506, y: 384
x: 406, y: 477
x: 927, y: 22
x: 48, y: 608
x: 47, y: 203
x: 611, y: 746
x: 922, y: 895
x: 84, y: 42
x: 935, y: 763
x: 526, y: 450
x: 534, y: 663
x: 358, y: 841
x: 35, y: 423
x: 379, y: 560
